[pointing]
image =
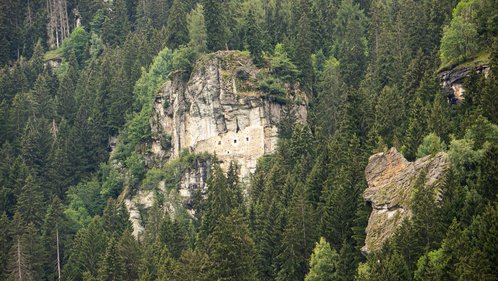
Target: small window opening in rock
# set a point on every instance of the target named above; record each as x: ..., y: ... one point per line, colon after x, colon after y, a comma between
x: 228, y: 152
x: 219, y: 142
x: 247, y: 139
x: 234, y: 141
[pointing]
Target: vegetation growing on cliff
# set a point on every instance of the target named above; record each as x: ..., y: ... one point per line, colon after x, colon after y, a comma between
x: 369, y: 70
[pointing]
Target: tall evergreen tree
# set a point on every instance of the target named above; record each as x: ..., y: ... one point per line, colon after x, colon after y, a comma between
x: 231, y: 249
x: 323, y: 262
x: 176, y: 26
x: 214, y: 15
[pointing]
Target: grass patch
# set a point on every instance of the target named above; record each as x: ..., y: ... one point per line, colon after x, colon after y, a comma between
x: 478, y: 59
x: 53, y: 54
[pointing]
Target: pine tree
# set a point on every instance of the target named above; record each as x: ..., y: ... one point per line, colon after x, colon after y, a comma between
x: 26, y: 254
x: 176, y: 26
x: 111, y: 267
x: 129, y: 253
x: 302, y: 56
x: 346, y: 265
x: 116, y: 218
x: 88, y: 248
x: 54, y: 233
x: 5, y: 241
x: 231, y: 249
x: 197, y: 29
x: 350, y: 42
x: 298, y: 237
x: 253, y: 38
x: 116, y: 26
x: 415, y: 132
x: 323, y: 262
x: 215, y: 18
x: 66, y: 101
x: 191, y: 266
x: 30, y: 203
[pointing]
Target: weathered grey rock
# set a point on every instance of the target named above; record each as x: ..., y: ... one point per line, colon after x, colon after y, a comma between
x: 220, y: 111
x: 391, y: 179
x: 452, y: 80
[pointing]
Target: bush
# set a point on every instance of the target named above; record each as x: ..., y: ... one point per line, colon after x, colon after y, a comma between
x: 282, y: 66
x: 152, y: 178
x: 76, y: 43
x: 271, y: 87
x: 431, y: 144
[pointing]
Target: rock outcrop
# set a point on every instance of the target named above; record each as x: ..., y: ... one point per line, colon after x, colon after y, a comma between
x: 452, y: 81
x: 391, y: 179
x: 220, y: 110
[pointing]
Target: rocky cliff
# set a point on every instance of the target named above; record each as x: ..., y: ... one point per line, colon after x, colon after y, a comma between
x: 220, y: 110
x: 391, y: 180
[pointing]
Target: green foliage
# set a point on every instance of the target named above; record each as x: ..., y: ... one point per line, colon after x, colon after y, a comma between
x: 431, y: 144
x: 77, y: 43
x: 459, y: 41
x: 282, y: 66
x: 176, y: 25
x: 323, y: 262
x: 231, y: 249
x: 197, y: 29
x: 215, y: 18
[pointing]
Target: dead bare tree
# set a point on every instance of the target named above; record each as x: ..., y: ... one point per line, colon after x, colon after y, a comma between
x: 58, y: 22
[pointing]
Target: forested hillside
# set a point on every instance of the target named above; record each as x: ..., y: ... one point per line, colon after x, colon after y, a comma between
x: 79, y: 88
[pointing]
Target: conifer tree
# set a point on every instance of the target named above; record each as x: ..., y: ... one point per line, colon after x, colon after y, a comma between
x: 176, y: 26
x: 66, y: 101
x: 88, y: 248
x: 415, y: 132
x: 129, y: 253
x: 5, y: 241
x: 111, y: 267
x: 30, y: 203
x: 253, y: 38
x: 323, y: 262
x: 54, y: 233
x: 215, y: 18
x: 350, y: 42
x: 231, y: 249
x: 191, y: 266
x: 298, y: 237
x: 197, y: 28
x: 302, y: 55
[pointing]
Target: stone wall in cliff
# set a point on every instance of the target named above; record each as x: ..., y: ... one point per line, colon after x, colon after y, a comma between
x: 220, y: 110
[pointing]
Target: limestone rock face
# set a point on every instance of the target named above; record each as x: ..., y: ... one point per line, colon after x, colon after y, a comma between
x: 391, y: 179
x: 220, y: 110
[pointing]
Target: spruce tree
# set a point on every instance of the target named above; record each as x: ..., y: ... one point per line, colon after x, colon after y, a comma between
x: 298, y: 238
x: 231, y: 249
x: 197, y: 29
x: 323, y: 262
x: 111, y: 267
x: 214, y: 15
x: 176, y: 25
x: 253, y: 38
x: 302, y: 55
x: 30, y: 203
